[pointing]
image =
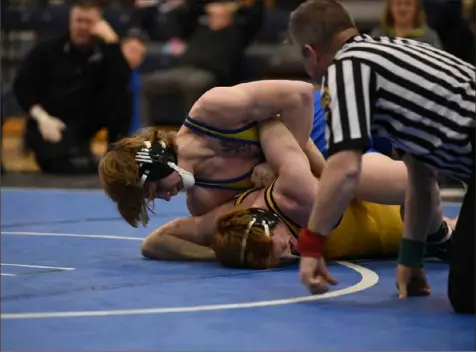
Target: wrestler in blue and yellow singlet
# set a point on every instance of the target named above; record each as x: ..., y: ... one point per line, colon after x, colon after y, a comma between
x: 248, y: 134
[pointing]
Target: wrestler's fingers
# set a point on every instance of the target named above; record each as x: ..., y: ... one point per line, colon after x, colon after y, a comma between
x: 322, y: 271
x: 328, y: 277
x: 402, y: 290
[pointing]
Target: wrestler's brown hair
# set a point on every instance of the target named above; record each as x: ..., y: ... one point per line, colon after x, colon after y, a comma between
x: 317, y: 22
x: 227, y: 242
x: 119, y: 175
x: 387, y: 17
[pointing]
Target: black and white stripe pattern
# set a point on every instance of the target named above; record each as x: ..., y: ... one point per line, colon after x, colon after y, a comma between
x: 420, y: 97
x: 143, y: 156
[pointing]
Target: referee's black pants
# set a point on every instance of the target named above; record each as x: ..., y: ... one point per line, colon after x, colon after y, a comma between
x: 461, y: 281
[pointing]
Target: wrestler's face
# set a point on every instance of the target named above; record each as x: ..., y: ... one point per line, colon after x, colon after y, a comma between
x: 165, y: 188
x: 284, y: 243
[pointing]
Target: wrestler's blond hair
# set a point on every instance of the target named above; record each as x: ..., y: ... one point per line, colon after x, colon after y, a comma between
x: 119, y: 175
x: 228, y: 242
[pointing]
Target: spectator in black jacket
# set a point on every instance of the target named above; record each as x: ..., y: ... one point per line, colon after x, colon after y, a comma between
x: 214, y: 50
x: 73, y: 86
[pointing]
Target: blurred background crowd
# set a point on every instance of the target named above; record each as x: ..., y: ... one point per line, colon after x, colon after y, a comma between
x: 77, y: 75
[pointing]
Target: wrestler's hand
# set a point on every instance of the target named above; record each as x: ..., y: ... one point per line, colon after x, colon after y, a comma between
x: 314, y: 275
x: 411, y: 282
x: 263, y: 175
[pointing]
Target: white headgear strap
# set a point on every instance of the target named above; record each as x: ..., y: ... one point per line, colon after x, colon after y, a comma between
x: 245, y: 238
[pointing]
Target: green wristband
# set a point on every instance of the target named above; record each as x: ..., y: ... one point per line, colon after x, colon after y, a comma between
x: 411, y: 253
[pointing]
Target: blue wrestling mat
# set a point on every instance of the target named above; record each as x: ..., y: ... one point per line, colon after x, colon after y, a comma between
x: 73, y: 279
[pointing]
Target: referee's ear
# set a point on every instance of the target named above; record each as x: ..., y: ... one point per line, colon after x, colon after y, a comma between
x: 309, y: 53
x: 306, y: 51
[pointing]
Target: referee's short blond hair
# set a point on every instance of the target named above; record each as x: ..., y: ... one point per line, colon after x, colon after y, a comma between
x: 316, y: 22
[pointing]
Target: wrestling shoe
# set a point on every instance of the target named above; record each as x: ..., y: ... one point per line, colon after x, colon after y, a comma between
x: 438, y: 244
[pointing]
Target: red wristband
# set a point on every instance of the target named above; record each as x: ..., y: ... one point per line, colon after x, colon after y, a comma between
x: 310, y: 244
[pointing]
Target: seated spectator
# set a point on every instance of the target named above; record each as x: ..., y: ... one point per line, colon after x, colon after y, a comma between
x: 213, y: 54
x: 147, y: 17
x: 455, y: 31
x: 406, y: 19
x: 134, y: 49
x: 73, y: 86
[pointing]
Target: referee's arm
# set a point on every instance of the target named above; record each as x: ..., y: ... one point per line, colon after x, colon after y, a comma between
x: 346, y: 99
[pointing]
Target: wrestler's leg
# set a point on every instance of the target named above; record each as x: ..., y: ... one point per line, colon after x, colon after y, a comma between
x: 167, y: 247
x: 382, y: 180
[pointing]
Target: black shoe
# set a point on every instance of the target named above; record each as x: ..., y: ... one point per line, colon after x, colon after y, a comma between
x: 440, y: 246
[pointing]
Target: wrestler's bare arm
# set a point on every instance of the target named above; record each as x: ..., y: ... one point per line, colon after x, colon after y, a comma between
x: 316, y: 159
x: 171, y: 248
x: 184, y: 238
x: 179, y: 239
x: 257, y: 101
x: 295, y: 180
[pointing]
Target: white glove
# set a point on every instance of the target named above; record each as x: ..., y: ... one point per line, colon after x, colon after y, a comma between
x: 50, y: 127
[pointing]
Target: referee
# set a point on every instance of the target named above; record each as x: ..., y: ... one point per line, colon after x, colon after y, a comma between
x: 421, y: 98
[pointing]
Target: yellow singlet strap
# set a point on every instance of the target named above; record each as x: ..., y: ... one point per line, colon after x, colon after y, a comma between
x: 273, y: 206
x: 241, y: 197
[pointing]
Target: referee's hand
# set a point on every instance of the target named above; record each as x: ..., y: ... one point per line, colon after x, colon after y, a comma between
x: 411, y: 282
x: 314, y: 275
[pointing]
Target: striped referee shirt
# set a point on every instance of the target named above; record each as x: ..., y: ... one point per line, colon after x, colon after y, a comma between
x: 420, y: 97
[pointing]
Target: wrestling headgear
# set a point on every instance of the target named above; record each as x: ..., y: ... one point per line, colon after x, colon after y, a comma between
x: 260, y: 218
x: 157, y: 160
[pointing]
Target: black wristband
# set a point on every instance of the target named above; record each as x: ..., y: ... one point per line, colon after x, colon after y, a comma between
x: 411, y: 253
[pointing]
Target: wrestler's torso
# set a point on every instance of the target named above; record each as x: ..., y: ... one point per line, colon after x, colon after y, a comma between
x: 222, y: 167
